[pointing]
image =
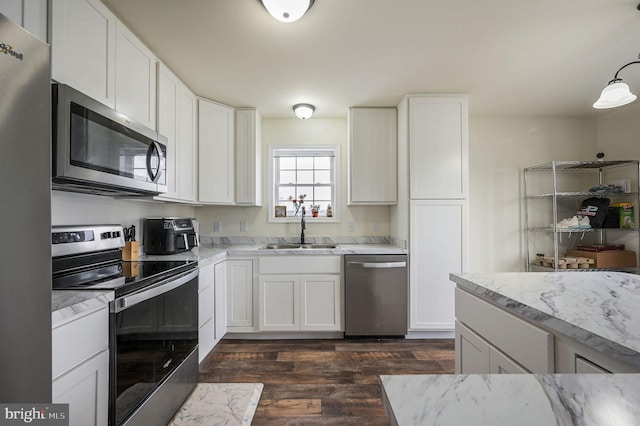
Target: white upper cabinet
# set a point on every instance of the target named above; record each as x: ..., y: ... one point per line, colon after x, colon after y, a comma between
x: 92, y: 51
x: 30, y: 14
x: 187, y: 145
x: 248, y: 157
x: 372, y: 156
x: 177, y: 121
x: 83, y: 47
x: 135, y: 78
x: 439, y: 146
x: 216, y: 184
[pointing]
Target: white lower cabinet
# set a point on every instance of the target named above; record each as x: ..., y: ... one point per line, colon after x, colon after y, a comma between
x: 300, y: 302
x: 220, y: 310
x: 86, y: 390
x: 300, y: 293
x: 240, y: 295
x: 206, y: 306
x: 212, y: 311
x: 81, y: 371
x: 439, y: 248
x: 491, y: 340
x: 474, y: 355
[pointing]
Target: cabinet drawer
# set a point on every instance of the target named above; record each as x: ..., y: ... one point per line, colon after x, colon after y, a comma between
x: 302, y: 264
x: 530, y: 346
x: 77, y: 341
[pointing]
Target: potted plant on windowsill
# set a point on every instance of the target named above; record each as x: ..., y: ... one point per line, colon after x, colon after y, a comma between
x: 315, y: 209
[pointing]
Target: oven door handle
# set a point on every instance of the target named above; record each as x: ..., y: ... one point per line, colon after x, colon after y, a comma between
x: 126, y: 302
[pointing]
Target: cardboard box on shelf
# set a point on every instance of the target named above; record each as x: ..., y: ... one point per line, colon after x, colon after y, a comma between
x: 608, y: 259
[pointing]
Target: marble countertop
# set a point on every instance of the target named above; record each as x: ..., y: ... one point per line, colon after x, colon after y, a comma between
x: 66, y: 305
x: 599, y: 309
x: 508, y: 399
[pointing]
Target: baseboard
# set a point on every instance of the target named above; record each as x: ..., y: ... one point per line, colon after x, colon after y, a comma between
x: 442, y: 334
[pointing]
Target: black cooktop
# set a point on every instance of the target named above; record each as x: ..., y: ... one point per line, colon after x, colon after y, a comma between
x: 123, y: 277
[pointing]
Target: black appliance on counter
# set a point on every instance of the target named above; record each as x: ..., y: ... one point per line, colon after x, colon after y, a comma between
x: 169, y: 235
x: 153, y: 321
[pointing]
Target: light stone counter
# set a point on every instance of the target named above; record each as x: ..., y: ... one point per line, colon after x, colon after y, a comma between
x: 68, y: 304
x: 513, y: 399
x: 598, y: 309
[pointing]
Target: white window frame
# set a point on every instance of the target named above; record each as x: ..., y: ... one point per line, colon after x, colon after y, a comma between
x: 335, y: 206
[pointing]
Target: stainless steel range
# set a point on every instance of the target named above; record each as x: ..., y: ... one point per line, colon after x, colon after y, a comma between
x: 153, y: 327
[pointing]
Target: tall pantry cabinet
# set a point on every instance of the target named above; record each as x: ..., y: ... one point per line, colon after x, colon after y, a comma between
x: 432, y: 210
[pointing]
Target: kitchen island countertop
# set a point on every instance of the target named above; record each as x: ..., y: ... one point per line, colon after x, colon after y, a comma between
x: 509, y: 399
x: 597, y: 309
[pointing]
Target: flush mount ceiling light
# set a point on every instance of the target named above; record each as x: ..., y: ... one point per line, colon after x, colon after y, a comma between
x: 303, y: 111
x: 616, y: 93
x: 287, y: 10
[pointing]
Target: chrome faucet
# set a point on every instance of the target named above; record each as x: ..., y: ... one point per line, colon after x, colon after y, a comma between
x: 302, y: 225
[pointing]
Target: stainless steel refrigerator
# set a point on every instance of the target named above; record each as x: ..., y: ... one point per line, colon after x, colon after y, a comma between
x: 25, y: 216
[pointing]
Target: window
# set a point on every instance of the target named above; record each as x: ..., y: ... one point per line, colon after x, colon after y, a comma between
x: 310, y: 172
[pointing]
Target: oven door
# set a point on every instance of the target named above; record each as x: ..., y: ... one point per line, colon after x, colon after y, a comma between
x: 152, y: 332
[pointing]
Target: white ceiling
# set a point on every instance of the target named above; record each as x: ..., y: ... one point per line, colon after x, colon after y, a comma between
x: 513, y: 57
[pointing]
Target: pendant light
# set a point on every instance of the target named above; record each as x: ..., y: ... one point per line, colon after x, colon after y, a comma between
x: 287, y: 10
x: 617, y: 93
x: 303, y: 111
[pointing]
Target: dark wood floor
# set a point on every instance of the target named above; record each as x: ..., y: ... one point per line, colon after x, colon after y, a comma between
x: 329, y: 382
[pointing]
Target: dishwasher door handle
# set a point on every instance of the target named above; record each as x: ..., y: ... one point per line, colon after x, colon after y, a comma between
x: 377, y: 265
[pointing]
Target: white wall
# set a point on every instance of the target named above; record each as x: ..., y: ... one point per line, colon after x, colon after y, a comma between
x: 69, y: 208
x: 619, y: 133
x: 499, y: 149
x: 293, y: 132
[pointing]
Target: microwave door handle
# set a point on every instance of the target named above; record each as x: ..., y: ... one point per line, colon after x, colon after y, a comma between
x: 155, y: 176
x: 186, y: 241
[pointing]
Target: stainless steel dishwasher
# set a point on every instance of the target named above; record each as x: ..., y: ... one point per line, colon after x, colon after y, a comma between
x: 376, y: 295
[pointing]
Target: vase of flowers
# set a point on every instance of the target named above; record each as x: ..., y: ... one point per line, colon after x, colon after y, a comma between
x: 297, y: 203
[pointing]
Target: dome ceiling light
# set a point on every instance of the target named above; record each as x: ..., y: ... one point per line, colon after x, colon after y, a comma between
x: 303, y: 111
x: 287, y: 10
x: 616, y: 93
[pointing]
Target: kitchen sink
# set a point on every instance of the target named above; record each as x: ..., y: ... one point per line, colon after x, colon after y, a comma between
x: 298, y: 246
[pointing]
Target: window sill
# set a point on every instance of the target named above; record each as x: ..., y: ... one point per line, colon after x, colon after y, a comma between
x: 308, y: 219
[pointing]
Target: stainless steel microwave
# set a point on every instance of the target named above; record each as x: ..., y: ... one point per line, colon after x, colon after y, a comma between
x: 98, y: 150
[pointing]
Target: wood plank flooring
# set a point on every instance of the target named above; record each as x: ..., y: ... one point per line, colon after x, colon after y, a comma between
x: 323, y: 382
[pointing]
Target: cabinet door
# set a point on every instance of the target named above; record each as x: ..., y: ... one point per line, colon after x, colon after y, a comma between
x: 472, y: 352
x: 168, y: 93
x: 438, y: 246
x: 30, y: 14
x: 220, y: 311
x: 248, y: 157
x: 321, y: 303
x: 499, y: 363
x: 216, y: 184
x: 86, y: 390
x: 372, y: 156
x: 239, y: 293
x: 83, y: 47
x: 187, y: 166
x: 135, y: 78
x: 438, y: 147
x: 279, y: 298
